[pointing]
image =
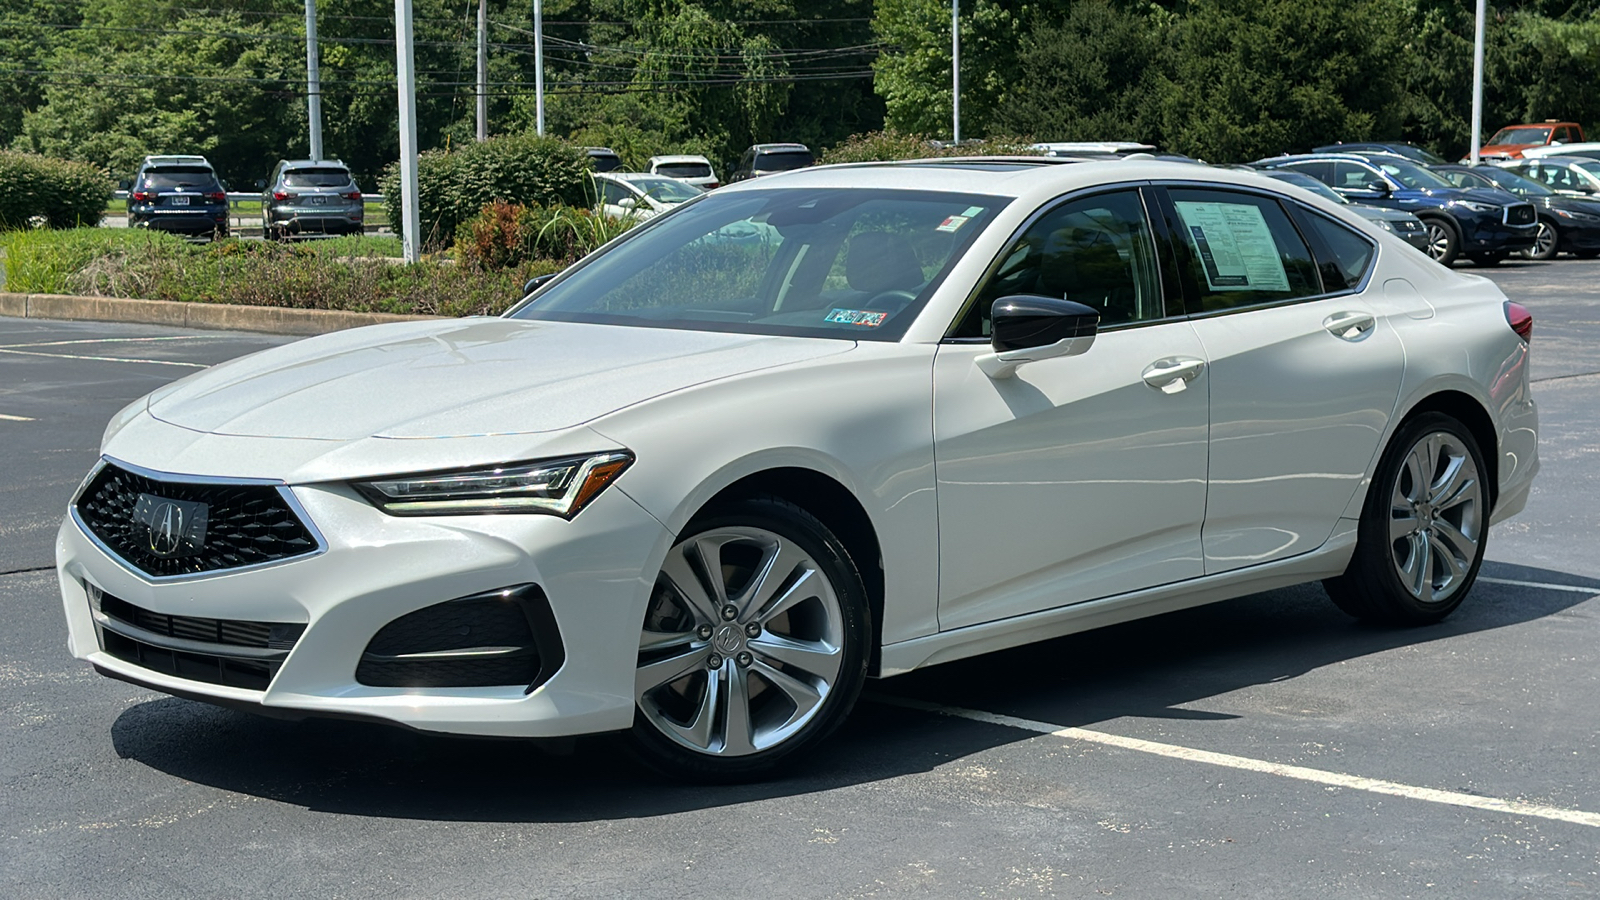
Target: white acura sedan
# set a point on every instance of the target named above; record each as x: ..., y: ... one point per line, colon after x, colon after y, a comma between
x: 830, y: 425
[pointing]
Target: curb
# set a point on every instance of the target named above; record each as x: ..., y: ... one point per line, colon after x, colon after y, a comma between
x: 211, y: 316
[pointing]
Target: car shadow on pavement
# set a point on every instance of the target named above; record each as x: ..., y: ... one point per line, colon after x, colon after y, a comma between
x: 1148, y: 668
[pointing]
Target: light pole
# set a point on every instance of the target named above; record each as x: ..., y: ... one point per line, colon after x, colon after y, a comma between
x: 1477, y: 84
x: 483, y: 70
x: 538, y: 66
x: 955, y: 70
x: 405, y: 64
x: 313, y: 82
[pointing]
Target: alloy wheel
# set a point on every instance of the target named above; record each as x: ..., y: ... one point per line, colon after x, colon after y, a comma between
x: 1544, y: 242
x: 1435, y: 517
x: 1438, y: 241
x: 742, y: 643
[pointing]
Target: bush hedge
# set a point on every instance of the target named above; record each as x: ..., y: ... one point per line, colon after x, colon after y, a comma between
x: 510, y: 234
x: 62, y: 193
x: 454, y: 185
x: 878, y: 146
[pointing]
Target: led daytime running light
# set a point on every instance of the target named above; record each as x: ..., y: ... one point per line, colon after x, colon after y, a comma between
x: 559, y: 487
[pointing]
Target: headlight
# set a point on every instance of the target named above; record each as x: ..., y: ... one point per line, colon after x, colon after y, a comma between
x: 1478, y: 207
x: 1586, y: 218
x: 560, y: 487
x: 1384, y: 224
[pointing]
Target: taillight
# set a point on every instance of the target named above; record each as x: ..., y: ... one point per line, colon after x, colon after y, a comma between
x: 218, y: 196
x: 713, y: 184
x: 144, y: 196
x: 1520, y: 320
x: 280, y: 195
x: 353, y: 195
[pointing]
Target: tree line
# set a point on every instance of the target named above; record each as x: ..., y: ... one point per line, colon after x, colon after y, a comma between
x: 108, y: 81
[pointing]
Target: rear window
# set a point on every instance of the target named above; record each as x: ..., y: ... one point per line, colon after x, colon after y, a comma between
x: 315, y: 178
x: 179, y: 177
x: 605, y: 162
x: 684, y: 170
x: 783, y: 161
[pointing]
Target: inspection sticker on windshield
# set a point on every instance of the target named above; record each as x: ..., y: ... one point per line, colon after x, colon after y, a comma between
x: 866, y: 318
x: 951, y: 223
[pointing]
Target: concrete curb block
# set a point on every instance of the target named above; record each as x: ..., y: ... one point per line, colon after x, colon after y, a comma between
x: 215, y: 316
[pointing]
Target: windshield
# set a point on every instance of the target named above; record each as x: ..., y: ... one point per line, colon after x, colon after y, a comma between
x: 1411, y: 175
x: 1589, y: 165
x: 315, y: 178
x: 684, y: 169
x: 783, y: 161
x: 666, y: 190
x: 854, y: 263
x: 1515, y: 183
x: 1418, y: 154
x: 179, y: 177
x: 1300, y: 180
x: 1521, y: 136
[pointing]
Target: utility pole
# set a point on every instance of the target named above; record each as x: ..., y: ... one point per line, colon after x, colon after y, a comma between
x: 483, y: 70
x: 313, y: 82
x: 1477, y: 84
x: 538, y: 65
x: 955, y: 69
x: 405, y: 64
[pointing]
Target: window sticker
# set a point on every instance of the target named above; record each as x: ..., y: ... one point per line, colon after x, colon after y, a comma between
x: 973, y: 211
x: 866, y: 318
x: 952, y: 223
x: 1235, y: 246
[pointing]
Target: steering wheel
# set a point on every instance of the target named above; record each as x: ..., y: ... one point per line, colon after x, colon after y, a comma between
x: 891, y: 301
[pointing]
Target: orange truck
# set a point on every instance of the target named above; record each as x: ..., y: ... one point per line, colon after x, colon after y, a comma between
x: 1510, y: 141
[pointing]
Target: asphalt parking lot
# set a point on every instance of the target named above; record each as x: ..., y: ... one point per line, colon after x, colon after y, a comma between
x: 1264, y: 747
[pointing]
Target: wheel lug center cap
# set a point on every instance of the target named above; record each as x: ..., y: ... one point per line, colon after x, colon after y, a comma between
x: 728, y: 639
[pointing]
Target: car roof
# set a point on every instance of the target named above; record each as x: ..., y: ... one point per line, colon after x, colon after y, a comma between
x: 312, y: 163
x: 681, y: 157
x: 1561, y: 160
x: 632, y: 177
x: 1095, y: 146
x: 765, y: 148
x: 176, y: 160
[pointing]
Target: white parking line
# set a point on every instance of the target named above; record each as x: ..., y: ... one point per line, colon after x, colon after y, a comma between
x: 1577, y: 589
x: 6, y: 418
x: 1299, y: 773
x: 124, y: 359
x: 129, y: 340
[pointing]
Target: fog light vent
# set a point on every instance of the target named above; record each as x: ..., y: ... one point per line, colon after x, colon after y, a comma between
x: 498, y: 638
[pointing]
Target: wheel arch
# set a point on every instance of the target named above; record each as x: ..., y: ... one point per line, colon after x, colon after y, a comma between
x: 837, y: 508
x: 1470, y: 412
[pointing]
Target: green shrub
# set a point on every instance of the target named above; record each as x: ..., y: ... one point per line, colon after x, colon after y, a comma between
x: 508, y: 234
x: 62, y: 193
x: 454, y: 185
x: 891, y: 145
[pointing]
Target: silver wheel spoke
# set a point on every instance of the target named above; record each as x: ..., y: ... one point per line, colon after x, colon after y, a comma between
x: 1455, y: 544
x: 708, y: 550
x: 702, y: 604
x: 1402, y: 526
x: 1449, y: 481
x: 665, y: 671
x: 1455, y: 567
x: 650, y: 641
x: 1422, y: 576
x: 702, y: 731
x: 737, y: 737
x: 813, y: 657
x: 803, y: 588
x: 777, y: 565
x: 805, y: 697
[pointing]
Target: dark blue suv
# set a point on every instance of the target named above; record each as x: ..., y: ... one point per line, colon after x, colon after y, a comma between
x: 181, y: 194
x: 1484, y: 225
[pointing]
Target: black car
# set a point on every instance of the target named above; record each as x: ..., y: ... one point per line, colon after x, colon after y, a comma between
x: 768, y: 159
x: 311, y: 197
x: 1396, y: 148
x: 1484, y: 225
x: 1565, y: 223
x: 180, y: 194
x: 604, y: 159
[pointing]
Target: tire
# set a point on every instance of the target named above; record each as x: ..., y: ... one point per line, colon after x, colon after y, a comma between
x: 1546, y: 242
x: 739, y: 673
x: 1444, y: 240
x: 1488, y: 259
x: 1423, y: 528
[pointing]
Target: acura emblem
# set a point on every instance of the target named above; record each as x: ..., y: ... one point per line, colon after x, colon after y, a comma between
x: 169, y: 528
x: 166, y: 529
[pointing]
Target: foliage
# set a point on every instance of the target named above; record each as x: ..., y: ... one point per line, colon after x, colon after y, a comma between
x: 63, y: 194
x: 155, y: 266
x: 452, y: 186
x: 915, y: 80
x: 892, y: 145
x: 510, y: 234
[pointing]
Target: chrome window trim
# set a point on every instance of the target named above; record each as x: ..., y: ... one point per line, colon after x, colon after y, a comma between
x: 157, y: 475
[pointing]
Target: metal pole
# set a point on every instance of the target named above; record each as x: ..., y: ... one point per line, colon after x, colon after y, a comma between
x: 483, y: 70
x: 538, y: 65
x: 313, y: 82
x: 955, y: 69
x: 410, y: 220
x: 1477, y: 84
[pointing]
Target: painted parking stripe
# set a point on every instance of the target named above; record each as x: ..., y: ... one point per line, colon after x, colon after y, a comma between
x: 122, y: 359
x: 1575, y: 588
x: 1244, y: 763
x: 6, y: 418
x: 128, y: 340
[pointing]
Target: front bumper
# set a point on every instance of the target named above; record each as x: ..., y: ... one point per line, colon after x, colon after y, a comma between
x: 376, y: 568
x: 1487, y: 234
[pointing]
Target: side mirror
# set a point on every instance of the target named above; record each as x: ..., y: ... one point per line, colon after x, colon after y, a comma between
x: 1028, y: 328
x: 536, y: 282
x: 627, y: 203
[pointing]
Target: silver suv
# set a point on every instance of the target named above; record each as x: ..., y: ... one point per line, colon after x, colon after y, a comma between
x: 305, y: 197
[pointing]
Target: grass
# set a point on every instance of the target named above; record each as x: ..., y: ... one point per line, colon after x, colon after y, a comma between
x: 347, y: 273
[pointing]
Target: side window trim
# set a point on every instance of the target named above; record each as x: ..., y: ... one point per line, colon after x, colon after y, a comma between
x: 1185, y: 256
x: 1137, y: 187
x: 1322, y: 254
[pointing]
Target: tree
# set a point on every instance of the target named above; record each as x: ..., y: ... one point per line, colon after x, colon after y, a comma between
x: 914, y: 75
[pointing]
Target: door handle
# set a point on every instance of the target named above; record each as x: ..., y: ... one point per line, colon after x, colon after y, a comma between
x: 1351, y: 326
x: 1172, y: 374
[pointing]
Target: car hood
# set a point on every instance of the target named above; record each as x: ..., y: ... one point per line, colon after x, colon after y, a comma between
x: 1381, y: 213
x: 462, y: 377
x: 1575, y: 204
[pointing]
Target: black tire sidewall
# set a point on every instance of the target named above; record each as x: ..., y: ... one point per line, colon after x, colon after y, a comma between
x: 1453, y: 250
x: 793, y: 523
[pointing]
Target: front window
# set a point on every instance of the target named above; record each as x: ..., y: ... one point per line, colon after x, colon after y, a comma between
x: 315, y: 178
x: 1411, y: 175
x: 841, y: 263
x: 1520, y: 136
x: 1516, y: 184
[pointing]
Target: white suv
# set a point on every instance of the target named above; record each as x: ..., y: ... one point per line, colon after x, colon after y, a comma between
x: 696, y: 170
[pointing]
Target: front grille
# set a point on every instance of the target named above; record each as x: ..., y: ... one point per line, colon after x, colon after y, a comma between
x: 216, y: 651
x: 1520, y: 214
x: 244, y: 524
x: 497, y: 638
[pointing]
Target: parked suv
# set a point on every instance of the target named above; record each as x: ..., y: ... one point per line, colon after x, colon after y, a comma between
x: 769, y: 159
x: 1485, y: 225
x: 181, y: 194
x: 1565, y: 223
x: 694, y: 169
x: 311, y: 197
